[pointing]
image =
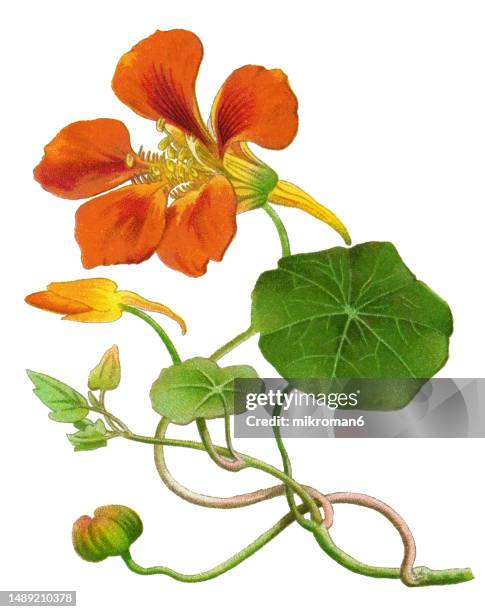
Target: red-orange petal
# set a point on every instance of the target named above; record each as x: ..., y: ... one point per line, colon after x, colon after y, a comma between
x: 47, y: 300
x: 257, y: 105
x: 157, y: 78
x: 199, y: 227
x: 123, y: 226
x: 87, y: 158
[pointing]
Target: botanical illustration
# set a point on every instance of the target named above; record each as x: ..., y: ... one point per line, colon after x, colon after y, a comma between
x: 340, y: 313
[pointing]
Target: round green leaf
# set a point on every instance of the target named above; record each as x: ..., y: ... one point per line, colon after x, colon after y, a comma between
x: 350, y: 313
x: 197, y: 388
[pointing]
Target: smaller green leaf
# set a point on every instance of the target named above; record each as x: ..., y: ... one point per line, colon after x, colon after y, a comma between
x: 106, y: 375
x: 90, y: 437
x: 198, y: 388
x: 93, y: 400
x: 81, y: 425
x: 65, y: 403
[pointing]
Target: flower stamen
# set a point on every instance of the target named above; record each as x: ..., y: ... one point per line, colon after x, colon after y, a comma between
x: 181, y: 162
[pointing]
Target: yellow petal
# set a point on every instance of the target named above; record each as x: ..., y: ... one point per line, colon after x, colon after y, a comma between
x: 97, y: 293
x: 96, y: 316
x: 129, y: 298
x: 287, y: 194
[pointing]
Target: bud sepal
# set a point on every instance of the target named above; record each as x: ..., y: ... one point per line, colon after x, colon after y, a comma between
x: 110, y: 533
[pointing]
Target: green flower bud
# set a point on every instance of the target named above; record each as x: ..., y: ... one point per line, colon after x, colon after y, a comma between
x: 106, y: 375
x: 110, y: 532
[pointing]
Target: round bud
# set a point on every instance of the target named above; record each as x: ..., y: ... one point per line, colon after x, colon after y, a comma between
x: 110, y: 532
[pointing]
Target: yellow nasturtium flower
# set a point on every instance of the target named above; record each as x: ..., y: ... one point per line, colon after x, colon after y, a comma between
x: 94, y: 300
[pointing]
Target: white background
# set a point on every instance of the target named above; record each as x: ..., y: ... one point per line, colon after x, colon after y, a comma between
x: 391, y: 137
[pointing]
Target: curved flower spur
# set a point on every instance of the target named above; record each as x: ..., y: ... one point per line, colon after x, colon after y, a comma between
x: 183, y: 199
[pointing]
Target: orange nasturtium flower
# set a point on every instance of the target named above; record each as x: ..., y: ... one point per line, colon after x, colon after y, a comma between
x: 183, y: 200
x: 94, y: 300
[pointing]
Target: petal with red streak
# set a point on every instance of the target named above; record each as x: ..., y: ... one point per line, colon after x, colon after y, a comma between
x: 157, y: 78
x: 199, y: 227
x: 123, y: 226
x: 87, y: 158
x: 257, y: 105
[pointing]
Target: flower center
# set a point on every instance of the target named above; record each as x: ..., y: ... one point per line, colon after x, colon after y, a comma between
x: 181, y: 162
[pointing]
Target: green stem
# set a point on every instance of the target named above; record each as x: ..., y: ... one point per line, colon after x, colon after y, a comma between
x: 116, y: 424
x: 280, y: 228
x: 286, y: 463
x: 216, y: 571
x: 248, y: 461
x: 327, y: 507
x: 232, y: 344
x: 235, y: 464
x: 227, y: 434
x: 162, y: 334
x: 423, y: 576
x: 285, y: 251
x: 113, y: 421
